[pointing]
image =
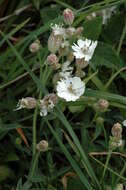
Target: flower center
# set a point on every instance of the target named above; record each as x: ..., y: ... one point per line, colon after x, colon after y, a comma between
x: 71, y: 90
x: 84, y: 49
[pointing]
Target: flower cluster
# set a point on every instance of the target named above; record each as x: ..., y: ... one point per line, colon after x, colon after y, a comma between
x: 45, y: 105
x: 69, y: 54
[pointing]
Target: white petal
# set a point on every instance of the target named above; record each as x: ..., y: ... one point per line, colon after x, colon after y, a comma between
x: 81, y: 43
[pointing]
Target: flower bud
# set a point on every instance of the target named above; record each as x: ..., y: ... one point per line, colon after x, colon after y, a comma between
x: 28, y: 103
x: 70, y: 57
x: 100, y: 120
x: 115, y: 142
x: 64, y: 49
x: 117, y: 130
x: 68, y: 16
x: 81, y: 63
x: 42, y: 146
x: 52, y: 60
x: 54, y: 42
x: 35, y: 46
x: 103, y: 104
x: 79, y: 30
x: 70, y: 31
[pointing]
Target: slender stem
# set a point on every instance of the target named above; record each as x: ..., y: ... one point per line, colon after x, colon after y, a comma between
x: 106, y: 164
x: 64, y: 4
x: 121, y: 39
x: 113, y: 77
x: 109, y: 169
x: 121, y: 173
x: 36, y: 112
x: 34, y: 164
x: 34, y: 130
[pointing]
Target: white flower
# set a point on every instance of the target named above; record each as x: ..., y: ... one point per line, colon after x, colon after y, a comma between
x: 84, y: 49
x: 66, y: 70
x: 124, y: 123
x: 58, y: 30
x: 106, y: 14
x: 47, y: 104
x: 70, y: 88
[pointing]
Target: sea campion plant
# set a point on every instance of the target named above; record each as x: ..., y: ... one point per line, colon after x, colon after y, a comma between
x: 67, y: 59
x: 72, y: 101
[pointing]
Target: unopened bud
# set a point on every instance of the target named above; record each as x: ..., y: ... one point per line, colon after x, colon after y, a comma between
x: 28, y: 103
x: 42, y: 146
x: 117, y: 130
x: 103, y: 104
x: 100, y: 120
x: 70, y: 31
x: 35, y: 46
x: 54, y: 42
x: 79, y: 30
x: 68, y: 16
x: 70, y: 57
x: 81, y: 63
x: 52, y: 60
x: 115, y: 142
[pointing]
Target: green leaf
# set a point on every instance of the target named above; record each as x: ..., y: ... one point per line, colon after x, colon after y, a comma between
x: 92, y: 28
x: 76, y: 109
x: 106, y: 56
x: 49, y: 13
x: 10, y: 157
x: 84, y: 157
x: 115, y: 24
x: 71, y: 160
x: 75, y: 184
x: 106, y: 95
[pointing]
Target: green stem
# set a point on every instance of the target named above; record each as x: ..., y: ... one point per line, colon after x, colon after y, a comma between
x: 106, y: 164
x: 113, y: 77
x: 34, y: 164
x: 121, y: 39
x: 121, y: 173
x: 109, y: 169
x: 34, y: 130
x: 64, y: 4
x: 36, y: 111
